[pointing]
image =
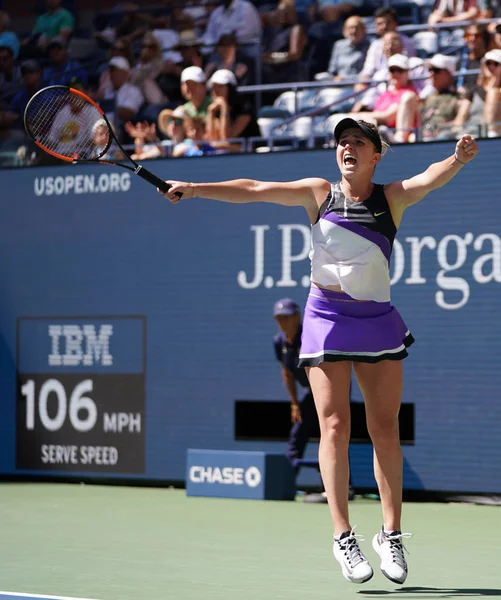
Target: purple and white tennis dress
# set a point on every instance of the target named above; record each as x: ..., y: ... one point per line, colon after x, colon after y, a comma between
x: 351, y: 248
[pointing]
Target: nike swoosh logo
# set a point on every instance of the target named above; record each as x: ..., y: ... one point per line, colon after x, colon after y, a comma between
x: 379, y: 214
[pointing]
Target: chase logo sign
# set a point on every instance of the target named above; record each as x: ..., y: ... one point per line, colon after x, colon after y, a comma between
x: 233, y: 474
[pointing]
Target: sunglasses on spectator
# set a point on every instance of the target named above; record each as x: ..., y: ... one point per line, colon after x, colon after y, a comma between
x: 175, y: 120
x: 492, y: 63
x: 435, y: 70
x: 149, y: 46
x: 397, y: 70
x: 119, y: 48
x: 472, y: 36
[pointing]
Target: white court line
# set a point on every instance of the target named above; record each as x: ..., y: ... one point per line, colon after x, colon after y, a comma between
x: 21, y: 594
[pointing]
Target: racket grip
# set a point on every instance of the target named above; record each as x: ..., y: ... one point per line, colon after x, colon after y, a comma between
x: 154, y: 180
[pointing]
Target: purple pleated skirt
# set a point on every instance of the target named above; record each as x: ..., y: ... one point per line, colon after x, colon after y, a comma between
x: 337, y: 327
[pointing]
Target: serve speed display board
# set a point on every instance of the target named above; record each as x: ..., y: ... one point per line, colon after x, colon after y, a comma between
x: 80, y: 402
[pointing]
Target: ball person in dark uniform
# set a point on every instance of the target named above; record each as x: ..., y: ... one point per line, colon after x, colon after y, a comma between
x: 287, y: 342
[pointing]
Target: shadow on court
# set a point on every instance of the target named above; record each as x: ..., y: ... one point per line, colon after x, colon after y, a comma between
x: 416, y: 593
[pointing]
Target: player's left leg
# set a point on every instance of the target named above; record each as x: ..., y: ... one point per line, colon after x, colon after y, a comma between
x: 381, y: 385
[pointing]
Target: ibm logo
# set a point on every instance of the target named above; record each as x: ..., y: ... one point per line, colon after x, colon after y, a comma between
x: 74, y: 345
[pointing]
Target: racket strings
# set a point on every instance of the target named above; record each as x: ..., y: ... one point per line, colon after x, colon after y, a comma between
x: 66, y: 124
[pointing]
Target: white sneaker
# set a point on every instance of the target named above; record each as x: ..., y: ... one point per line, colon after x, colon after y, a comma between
x: 391, y: 551
x: 355, y: 566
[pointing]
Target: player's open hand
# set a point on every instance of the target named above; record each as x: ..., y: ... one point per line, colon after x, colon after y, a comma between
x: 179, y: 190
x: 466, y: 149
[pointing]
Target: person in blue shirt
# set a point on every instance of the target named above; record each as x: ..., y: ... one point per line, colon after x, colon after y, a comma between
x: 62, y: 68
x: 287, y: 342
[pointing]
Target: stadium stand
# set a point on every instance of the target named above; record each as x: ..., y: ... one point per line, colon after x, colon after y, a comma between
x: 296, y: 66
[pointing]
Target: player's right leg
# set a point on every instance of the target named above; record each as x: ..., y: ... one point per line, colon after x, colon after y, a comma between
x: 330, y: 383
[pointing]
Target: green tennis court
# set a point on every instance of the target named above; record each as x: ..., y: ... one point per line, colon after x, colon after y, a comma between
x: 120, y: 543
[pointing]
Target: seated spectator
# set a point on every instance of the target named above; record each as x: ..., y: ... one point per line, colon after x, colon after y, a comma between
x: 453, y: 11
x: 477, y: 41
x: 234, y: 16
x: 492, y: 111
x: 56, y: 22
x: 10, y: 76
x: 100, y: 138
x: 62, y: 68
x: 195, y: 143
x: 226, y: 117
x: 495, y: 41
x: 121, y: 47
x: 284, y: 41
x: 392, y: 44
x: 227, y: 56
x: 147, y: 68
x: 32, y: 76
x: 127, y: 22
x: 69, y: 127
x: 171, y: 124
x: 481, y: 103
x: 146, y: 142
x: 385, y: 22
x: 169, y: 79
x: 194, y: 90
x: 440, y: 107
x: 397, y: 107
x: 348, y: 55
x: 122, y: 100
x: 8, y: 39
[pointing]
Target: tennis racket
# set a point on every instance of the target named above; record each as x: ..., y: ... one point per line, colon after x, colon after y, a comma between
x: 69, y: 125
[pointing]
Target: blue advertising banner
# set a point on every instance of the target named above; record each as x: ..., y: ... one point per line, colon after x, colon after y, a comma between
x: 234, y: 474
x: 94, y: 241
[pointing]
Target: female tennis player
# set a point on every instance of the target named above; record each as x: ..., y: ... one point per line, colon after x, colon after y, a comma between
x: 349, y: 321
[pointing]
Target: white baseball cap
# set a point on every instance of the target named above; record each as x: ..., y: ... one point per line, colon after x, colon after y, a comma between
x: 119, y: 62
x: 223, y: 77
x: 399, y: 60
x: 441, y: 61
x: 494, y: 55
x: 193, y: 74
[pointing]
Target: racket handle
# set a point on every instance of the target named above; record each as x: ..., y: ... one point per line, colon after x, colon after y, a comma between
x: 154, y: 180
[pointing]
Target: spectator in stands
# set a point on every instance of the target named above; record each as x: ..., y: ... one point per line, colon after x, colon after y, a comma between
x: 227, y: 56
x: 440, y: 107
x: 171, y: 124
x: 121, y: 47
x: 234, y: 16
x: 147, y: 69
x: 283, y: 46
x: 489, y: 9
x: 8, y: 39
x: 392, y: 44
x: 146, y: 142
x: 453, y: 11
x: 32, y: 76
x: 348, y: 55
x: 492, y: 86
x: 194, y: 90
x: 169, y: 79
x: 62, y: 68
x: 481, y: 103
x: 10, y: 76
x: 398, y: 107
x: 226, y: 117
x: 385, y: 22
x: 495, y: 41
x: 477, y: 41
x: 122, y: 100
x: 195, y: 143
x: 56, y: 22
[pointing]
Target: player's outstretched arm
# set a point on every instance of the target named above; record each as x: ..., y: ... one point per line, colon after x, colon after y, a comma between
x: 303, y: 192
x: 409, y: 191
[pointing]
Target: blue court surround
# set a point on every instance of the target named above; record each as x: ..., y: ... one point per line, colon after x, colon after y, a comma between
x: 90, y: 242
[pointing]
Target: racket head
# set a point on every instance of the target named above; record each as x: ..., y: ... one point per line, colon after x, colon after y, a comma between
x: 67, y: 124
